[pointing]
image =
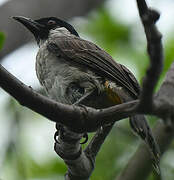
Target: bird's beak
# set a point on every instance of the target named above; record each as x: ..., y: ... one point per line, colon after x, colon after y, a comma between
x: 30, y: 24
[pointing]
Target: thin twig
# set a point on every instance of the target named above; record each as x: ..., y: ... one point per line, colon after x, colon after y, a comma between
x: 95, y: 144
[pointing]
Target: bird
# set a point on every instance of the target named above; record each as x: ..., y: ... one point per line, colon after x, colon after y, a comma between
x: 76, y: 71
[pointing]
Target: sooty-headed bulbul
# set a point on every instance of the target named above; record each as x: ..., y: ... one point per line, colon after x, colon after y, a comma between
x: 73, y: 70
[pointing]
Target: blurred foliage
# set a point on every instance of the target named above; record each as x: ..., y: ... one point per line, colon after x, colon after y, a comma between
x: 45, y: 170
x: 113, y: 156
x: 118, y: 40
x: 108, y: 32
x: 2, y: 39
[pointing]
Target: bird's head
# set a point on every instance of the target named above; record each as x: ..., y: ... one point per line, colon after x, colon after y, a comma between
x: 41, y: 28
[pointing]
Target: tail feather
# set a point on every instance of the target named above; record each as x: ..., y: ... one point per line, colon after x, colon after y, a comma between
x: 142, y: 129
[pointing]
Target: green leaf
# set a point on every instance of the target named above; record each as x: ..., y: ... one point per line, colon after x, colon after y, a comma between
x: 2, y: 39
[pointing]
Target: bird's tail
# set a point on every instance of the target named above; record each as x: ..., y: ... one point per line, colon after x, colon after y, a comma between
x: 142, y: 129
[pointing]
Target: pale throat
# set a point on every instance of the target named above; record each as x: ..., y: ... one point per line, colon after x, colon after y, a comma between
x: 62, y: 31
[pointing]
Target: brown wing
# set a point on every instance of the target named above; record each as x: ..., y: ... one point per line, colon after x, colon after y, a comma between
x: 86, y: 53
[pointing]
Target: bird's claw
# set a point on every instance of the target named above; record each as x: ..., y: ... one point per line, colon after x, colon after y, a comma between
x: 86, y: 138
x: 58, y: 133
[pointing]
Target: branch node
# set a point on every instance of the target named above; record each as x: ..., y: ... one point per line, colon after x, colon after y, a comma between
x: 150, y: 17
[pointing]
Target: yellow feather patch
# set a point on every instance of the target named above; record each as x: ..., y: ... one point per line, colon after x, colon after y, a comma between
x: 112, y: 95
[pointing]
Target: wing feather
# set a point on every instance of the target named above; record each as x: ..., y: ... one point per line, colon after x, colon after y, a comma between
x: 86, y: 53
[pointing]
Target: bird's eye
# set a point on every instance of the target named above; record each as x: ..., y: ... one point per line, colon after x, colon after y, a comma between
x: 51, y: 22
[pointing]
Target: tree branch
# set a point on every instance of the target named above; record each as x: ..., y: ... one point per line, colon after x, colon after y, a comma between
x: 95, y: 144
x: 164, y: 99
x: 77, y: 118
x: 135, y: 169
x: 71, y: 114
x: 68, y: 147
x: 155, y: 52
x: 139, y: 166
x: 80, y: 163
